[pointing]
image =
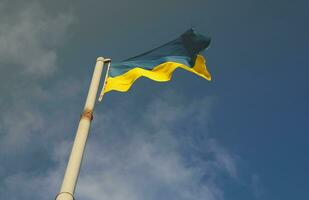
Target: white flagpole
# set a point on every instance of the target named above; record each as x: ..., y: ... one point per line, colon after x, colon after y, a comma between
x: 73, y: 167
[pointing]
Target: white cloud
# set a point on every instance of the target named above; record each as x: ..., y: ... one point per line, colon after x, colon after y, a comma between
x: 29, y: 37
x: 20, y: 126
x: 29, y: 41
x: 145, y: 160
x: 36, y: 185
x: 257, y: 187
x: 224, y: 159
x: 149, y: 159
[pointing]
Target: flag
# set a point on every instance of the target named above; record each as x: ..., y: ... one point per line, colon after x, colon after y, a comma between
x: 159, y: 64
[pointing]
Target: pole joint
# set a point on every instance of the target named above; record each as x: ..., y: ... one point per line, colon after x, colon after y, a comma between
x: 87, y: 114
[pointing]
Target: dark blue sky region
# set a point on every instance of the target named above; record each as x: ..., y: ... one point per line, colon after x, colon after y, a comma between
x: 241, y: 136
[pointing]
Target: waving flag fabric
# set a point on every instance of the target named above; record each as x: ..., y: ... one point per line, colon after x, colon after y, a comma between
x: 159, y: 64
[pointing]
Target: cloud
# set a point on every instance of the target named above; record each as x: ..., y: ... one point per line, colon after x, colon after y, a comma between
x: 257, y: 187
x: 149, y: 159
x: 32, y: 184
x: 29, y: 41
x: 29, y: 37
x: 20, y: 125
x: 224, y: 159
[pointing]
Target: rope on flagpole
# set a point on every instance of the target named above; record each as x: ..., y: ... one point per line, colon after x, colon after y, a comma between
x: 108, y: 61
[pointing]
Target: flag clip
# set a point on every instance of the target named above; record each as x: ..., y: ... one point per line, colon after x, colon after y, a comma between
x: 108, y: 61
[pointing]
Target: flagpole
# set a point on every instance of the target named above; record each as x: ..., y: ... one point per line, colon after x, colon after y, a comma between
x: 74, y: 163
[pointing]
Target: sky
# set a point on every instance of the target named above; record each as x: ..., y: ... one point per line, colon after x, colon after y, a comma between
x: 241, y: 136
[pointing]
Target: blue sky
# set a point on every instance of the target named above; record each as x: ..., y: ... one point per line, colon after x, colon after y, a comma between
x: 241, y: 136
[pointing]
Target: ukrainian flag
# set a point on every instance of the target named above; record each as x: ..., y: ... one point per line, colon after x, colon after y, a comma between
x: 159, y: 64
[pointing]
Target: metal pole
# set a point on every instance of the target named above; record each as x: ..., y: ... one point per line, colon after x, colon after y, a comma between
x: 73, y: 167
